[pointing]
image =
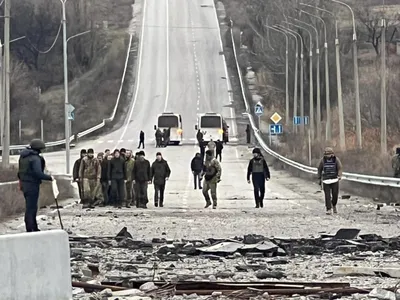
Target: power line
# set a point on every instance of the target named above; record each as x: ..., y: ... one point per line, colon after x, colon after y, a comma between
x: 51, y: 47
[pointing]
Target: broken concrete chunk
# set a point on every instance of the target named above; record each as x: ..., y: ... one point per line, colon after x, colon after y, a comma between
x: 365, y: 271
x: 347, y: 234
x: 222, y: 248
x: 382, y: 294
x: 106, y: 293
x: 124, y: 234
x: 148, y: 286
x: 263, y: 274
x: 132, y: 292
x: 165, y: 249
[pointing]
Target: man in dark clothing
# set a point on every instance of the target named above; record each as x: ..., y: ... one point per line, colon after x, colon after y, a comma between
x: 218, y: 150
x: 197, y: 168
x: 117, y: 178
x: 141, y: 139
x: 202, y: 146
x: 212, y: 176
x: 259, y: 171
x: 141, y: 176
x: 105, y: 187
x: 158, y: 138
x: 248, y: 133
x: 330, y: 171
x: 75, y: 172
x: 164, y: 138
x: 30, y: 175
x: 160, y: 173
x: 199, y: 137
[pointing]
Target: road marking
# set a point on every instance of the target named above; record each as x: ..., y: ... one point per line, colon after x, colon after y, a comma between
x: 167, y: 92
x: 138, y: 72
x: 120, y: 141
x: 234, y: 128
x: 130, y: 141
x: 110, y: 141
x: 100, y: 142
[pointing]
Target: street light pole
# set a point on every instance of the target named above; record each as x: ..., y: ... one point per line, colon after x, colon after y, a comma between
x: 356, y: 79
x: 311, y: 92
x: 6, y: 133
x: 66, y: 103
x: 288, y: 31
x: 318, y: 83
x: 383, y: 90
x: 301, y: 75
x: 286, y: 72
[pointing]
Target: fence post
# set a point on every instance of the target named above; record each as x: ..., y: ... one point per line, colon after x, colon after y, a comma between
x: 19, y: 131
x: 41, y: 130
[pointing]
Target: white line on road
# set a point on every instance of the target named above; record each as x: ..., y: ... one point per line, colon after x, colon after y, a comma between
x: 167, y: 77
x: 138, y: 73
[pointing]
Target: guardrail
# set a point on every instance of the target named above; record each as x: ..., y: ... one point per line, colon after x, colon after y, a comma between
x: 367, y: 179
x: 96, y: 127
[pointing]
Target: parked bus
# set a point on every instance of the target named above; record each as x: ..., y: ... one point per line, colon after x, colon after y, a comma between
x: 213, y: 126
x: 173, y: 122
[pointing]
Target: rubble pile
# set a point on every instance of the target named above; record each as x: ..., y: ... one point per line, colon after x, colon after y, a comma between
x: 158, y: 267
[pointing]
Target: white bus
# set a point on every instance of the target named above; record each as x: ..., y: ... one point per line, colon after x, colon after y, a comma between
x: 213, y: 126
x: 173, y: 122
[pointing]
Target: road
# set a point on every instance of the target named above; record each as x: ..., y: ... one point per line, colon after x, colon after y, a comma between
x: 181, y: 70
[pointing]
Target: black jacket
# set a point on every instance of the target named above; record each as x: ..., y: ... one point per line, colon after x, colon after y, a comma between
x: 219, y: 147
x: 117, y: 169
x: 141, y: 170
x: 105, y: 165
x: 31, y: 167
x: 159, y: 171
x: 197, y: 164
x: 75, y: 172
x: 141, y: 136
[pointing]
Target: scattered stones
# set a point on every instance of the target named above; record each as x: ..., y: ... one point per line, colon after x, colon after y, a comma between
x: 263, y: 274
x: 148, y: 286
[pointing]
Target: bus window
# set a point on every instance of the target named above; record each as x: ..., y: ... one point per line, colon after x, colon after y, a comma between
x: 168, y: 122
x: 210, y: 122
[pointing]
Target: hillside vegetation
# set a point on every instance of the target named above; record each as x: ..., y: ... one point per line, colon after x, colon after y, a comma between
x: 95, y: 63
x: 263, y: 51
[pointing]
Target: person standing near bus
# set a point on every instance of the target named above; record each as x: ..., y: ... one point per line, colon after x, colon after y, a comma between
x: 218, y: 149
x: 141, y: 139
x: 211, y: 147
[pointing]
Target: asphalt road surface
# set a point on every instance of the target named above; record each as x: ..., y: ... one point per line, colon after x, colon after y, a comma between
x: 181, y: 70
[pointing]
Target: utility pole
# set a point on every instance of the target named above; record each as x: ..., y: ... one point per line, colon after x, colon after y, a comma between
x: 383, y: 90
x: 66, y: 103
x: 6, y: 133
x: 1, y: 95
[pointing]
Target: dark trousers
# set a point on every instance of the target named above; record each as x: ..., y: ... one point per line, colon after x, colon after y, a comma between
x: 80, y: 188
x: 197, y: 180
x: 248, y: 135
x: 141, y: 189
x: 159, y: 189
x: 31, y: 195
x: 129, y: 193
x: 158, y: 142
x: 220, y: 156
x: 202, y: 152
x: 105, y: 189
x: 331, y: 192
x: 141, y: 143
x: 259, y: 190
x: 118, y: 190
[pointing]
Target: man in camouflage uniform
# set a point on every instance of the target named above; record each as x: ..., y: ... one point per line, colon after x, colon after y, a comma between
x: 89, y: 173
x: 98, y: 194
x: 130, y: 193
x: 396, y: 163
x: 212, y: 176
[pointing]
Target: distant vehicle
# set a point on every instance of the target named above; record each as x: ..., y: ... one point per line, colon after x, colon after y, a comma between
x: 213, y: 126
x: 174, y: 122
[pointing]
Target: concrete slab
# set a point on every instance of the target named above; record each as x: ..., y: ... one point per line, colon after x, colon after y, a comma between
x: 35, y: 266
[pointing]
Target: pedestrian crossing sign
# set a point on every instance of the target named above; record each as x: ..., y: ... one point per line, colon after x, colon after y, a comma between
x: 258, y: 109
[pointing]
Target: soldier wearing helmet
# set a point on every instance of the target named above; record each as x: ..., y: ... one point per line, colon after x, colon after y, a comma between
x: 259, y: 171
x: 330, y: 171
x: 30, y: 175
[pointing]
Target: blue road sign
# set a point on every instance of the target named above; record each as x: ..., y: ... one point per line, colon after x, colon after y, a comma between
x: 275, y: 129
x: 297, y: 120
x: 258, y: 109
x: 71, y: 116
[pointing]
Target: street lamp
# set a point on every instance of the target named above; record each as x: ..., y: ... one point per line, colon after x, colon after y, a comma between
x: 356, y: 79
x: 301, y: 73
x: 295, y: 67
x: 311, y: 75
x: 66, y: 101
x: 286, y: 72
x: 318, y: 86
x: 327, y: 81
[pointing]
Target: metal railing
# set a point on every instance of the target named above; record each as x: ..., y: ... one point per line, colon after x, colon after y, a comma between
x: 367, y: 179
x: 96, y: 127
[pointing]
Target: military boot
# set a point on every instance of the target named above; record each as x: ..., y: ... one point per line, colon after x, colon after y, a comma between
x: 261, y: 203
x: 257, y: 204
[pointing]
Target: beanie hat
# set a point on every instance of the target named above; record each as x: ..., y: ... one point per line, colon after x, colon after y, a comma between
x: 83, y: 151
x: 158, y: 153
x: 257, y: 150
x: 116, y: 150
x: 123, y: 150
x: 90, y: 151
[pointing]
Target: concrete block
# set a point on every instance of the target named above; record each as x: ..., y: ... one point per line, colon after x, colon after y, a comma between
x: 35, y: 266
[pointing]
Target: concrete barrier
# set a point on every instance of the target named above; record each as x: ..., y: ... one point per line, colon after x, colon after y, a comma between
x: 35, y: 266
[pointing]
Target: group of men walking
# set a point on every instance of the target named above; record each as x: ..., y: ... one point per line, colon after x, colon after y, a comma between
x: 162, y: 137
x: 119, y: 178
